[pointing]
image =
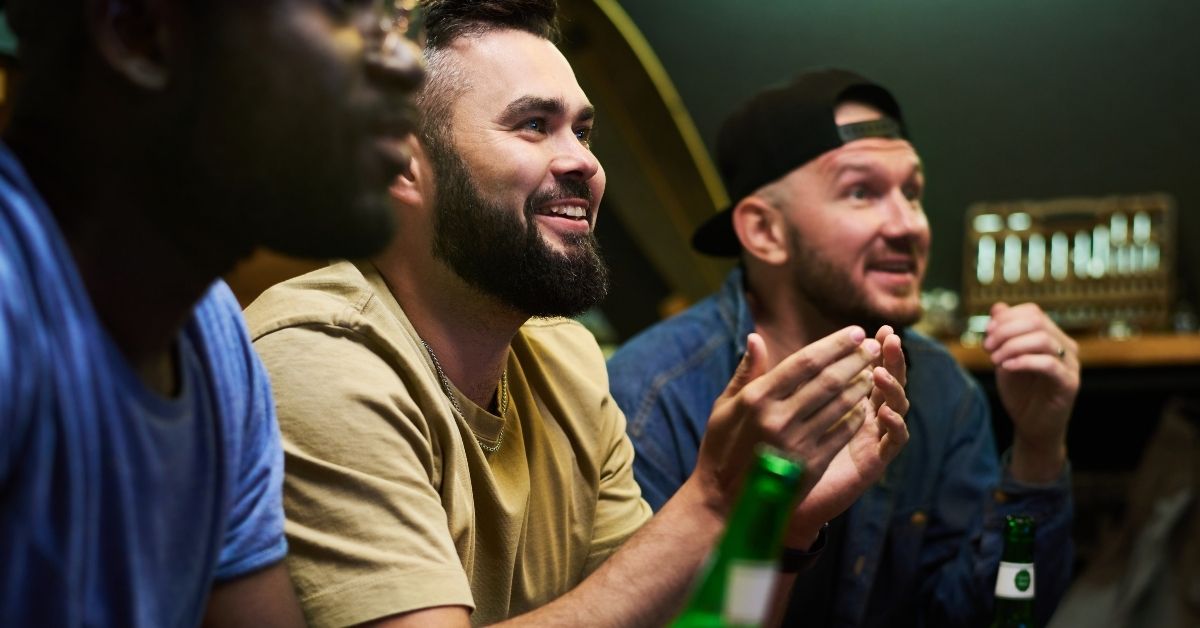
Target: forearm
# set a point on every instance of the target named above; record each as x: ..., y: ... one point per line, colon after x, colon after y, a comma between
x: 1038, y: 463
x: 780, y: 599
x: 646, y: 581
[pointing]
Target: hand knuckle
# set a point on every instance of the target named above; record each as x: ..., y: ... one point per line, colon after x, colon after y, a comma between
x: 827, y: 384
x: 806, y: 363
x: 773, y: 426
x: 753, y: 398
x: 848, y: 399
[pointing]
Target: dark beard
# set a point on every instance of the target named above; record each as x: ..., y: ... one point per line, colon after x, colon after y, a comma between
x: 832, y: 292
x: 492, y: 250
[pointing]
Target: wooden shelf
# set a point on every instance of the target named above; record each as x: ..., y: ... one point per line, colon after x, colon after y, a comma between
x: 1137, y: 351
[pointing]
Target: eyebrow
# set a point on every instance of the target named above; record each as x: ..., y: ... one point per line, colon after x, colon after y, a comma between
x: 843, y: 166
x: 527, y: 105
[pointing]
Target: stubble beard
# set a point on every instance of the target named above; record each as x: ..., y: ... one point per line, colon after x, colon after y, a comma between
x: 491, y: 249
x: 832, y: 291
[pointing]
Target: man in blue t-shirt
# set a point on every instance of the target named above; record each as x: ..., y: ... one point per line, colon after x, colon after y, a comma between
x: 828, y: 224
x: 152, y: 145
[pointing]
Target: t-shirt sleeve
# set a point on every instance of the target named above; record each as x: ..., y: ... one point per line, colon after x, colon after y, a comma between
x: 368, y: 531
x: 621, y: 511
x: 254, y: 535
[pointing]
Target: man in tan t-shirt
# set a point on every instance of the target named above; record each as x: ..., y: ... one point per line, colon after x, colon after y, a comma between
x: 453, y: 453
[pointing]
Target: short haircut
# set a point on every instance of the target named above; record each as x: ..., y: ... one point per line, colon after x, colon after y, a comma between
x: 447, y: 21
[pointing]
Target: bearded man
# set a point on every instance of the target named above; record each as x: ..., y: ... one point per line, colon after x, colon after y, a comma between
x: 453, y: 454
x: 830, y: 230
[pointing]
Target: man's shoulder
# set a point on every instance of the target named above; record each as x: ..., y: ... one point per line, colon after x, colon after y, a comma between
x: 676, y: 348
x: 339, y: 322
x: 559, y: 330
x: 34, y: 259
x: 218, y: 312
x: 327, y: 296
x: 218, y: 333
x: 562, y: 344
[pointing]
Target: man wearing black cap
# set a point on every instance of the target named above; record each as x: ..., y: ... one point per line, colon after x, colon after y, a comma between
x: 829, y: 228
x: 153, y: 144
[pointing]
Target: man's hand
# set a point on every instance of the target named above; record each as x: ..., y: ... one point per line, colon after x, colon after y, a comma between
x: 1037, y: 376
x: 861, y: 462
x: 810, y: 405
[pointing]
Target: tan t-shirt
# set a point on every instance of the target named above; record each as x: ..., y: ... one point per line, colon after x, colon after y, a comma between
x: 391, y: 503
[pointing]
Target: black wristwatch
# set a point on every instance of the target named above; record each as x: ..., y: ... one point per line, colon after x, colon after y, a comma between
x: 797, y: 560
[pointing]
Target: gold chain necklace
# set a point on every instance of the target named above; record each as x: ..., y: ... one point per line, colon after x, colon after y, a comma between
x: 502, y: 405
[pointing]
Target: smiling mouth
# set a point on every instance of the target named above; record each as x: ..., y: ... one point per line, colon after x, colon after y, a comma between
x: 574, y: 210
x: 894, y: 266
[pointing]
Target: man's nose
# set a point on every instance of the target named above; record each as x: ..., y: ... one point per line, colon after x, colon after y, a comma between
x: 905, y: 217
x: 573, y: 158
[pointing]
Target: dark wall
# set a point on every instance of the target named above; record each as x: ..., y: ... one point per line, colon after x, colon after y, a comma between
x: 1005, y: 100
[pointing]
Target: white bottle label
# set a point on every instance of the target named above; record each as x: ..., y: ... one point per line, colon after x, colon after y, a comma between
x: 748, y: 592
x: 1014, y: 581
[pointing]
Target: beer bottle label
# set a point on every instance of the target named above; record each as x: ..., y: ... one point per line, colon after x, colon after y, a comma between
x: 1014, y: 581
x: 748, y: 595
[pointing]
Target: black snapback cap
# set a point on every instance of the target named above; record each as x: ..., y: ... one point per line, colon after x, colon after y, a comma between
x: 782, y: 128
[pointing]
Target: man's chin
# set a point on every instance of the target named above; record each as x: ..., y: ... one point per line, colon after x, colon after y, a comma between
x: 563, y: 244
x: 898, y: 317
x: 893, y: 311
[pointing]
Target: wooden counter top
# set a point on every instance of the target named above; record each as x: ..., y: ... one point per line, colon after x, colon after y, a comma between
x: 1137, y: 351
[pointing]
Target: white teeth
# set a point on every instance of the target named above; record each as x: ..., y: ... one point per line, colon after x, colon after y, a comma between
x: 568, y: 210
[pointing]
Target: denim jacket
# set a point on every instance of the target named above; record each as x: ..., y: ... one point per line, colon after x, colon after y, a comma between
x: 923, y: 545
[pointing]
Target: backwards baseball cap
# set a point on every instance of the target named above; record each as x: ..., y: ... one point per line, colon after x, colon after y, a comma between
x: 782, y: 128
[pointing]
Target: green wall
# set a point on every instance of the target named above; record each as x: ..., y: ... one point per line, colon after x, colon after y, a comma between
x: 1005, y: 99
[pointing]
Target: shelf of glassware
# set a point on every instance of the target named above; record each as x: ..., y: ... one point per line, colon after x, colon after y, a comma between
x: 1144, y: 350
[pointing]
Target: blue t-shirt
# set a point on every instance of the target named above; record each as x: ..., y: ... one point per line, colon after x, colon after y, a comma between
x: 118, y: 506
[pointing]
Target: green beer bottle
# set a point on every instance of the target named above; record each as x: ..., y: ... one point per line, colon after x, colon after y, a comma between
x: 1014, y: 579
x: 739, y: 577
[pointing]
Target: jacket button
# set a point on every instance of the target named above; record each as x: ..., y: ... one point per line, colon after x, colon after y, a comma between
x: 1000, y: 497
x: 919, y: 518
x: 859, y: 564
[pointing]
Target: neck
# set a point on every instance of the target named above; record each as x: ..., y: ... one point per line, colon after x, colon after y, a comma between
x: 470, y: 332
x: 786, y: 321
x: 141, y: 281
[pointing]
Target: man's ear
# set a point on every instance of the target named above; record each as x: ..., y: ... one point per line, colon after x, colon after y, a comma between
x: 760, y: 228
x: 413, y: 185
x: 132, y: 37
